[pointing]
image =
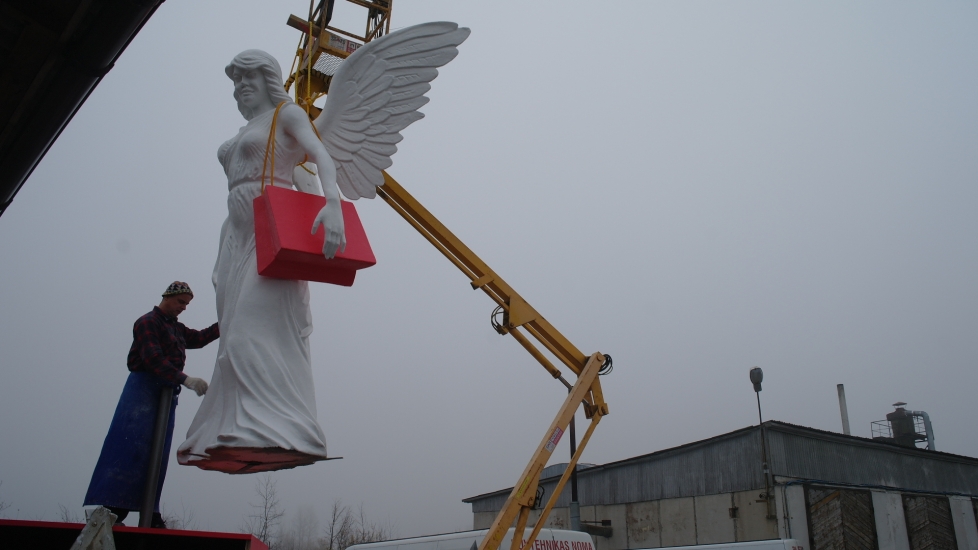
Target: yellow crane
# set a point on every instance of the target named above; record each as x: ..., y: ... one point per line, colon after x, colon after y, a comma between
x: 321, y: 49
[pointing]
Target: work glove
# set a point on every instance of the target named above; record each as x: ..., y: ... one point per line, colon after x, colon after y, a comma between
x: 199, y: 385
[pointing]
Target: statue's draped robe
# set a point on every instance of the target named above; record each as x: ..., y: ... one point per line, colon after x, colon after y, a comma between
x: 260, y: 410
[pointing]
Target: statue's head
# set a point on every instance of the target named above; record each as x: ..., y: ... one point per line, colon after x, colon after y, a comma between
x: 258, y: 60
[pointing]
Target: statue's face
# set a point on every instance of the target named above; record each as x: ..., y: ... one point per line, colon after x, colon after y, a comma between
x: 250, y: 87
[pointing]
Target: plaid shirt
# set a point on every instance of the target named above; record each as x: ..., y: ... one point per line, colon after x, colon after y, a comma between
x: 159, y: 345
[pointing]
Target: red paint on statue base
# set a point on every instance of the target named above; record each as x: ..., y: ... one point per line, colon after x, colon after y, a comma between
x: 250, y: 460
x: 286, y: 248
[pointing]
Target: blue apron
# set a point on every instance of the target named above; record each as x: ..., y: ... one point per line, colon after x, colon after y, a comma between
x: 121, y: 470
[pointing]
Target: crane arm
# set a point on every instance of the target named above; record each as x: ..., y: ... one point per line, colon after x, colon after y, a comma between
x: 516, y: 311
x: 518, y: 316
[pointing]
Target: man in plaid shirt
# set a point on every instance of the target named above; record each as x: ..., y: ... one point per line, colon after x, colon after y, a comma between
x: 156, y: 360
x: 159, y: 341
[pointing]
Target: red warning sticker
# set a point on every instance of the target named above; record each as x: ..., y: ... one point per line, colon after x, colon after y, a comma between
x: 554, y: 439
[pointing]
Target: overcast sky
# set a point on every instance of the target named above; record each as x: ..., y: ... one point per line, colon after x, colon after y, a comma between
x: 694, y: 188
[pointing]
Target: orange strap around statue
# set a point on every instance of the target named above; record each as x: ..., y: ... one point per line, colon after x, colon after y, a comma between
x: 270, y: 147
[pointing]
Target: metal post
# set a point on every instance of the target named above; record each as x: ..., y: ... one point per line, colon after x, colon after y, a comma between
x: 155, y: 458
x: 759, y: 419
x: 843, y: 409
x: 756, y: 377
x: 575, y: 506
x: 768, y: 481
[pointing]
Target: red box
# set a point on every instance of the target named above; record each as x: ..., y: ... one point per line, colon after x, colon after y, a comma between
x: 287, y: 250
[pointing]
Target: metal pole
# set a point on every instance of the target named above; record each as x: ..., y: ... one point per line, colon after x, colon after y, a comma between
x: 768, y: 482
x: 155, y: 458
x: 843, y: 409
x: 575, y: 507
x: 759, y: 419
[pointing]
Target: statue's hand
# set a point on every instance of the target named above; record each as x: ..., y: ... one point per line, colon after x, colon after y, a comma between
x: 331, y: 218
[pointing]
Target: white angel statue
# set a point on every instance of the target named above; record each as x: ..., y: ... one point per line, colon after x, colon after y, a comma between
x: 259, y: 413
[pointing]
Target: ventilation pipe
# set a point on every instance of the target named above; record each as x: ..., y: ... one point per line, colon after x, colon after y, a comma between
x: 843, y: 409
x: 927, y: 427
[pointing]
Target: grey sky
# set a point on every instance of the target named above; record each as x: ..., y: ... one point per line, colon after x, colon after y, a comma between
x: 695, y: 188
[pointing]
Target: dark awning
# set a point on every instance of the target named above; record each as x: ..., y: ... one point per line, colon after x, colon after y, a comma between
x: 52, y: 55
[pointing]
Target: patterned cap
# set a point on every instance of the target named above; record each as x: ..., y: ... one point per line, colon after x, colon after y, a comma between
x: 178, y: 287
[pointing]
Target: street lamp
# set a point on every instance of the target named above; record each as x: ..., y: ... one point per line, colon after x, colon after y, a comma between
x: 756, y: 377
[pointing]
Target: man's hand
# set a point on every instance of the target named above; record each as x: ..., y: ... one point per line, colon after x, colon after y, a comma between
x: 199, y: 385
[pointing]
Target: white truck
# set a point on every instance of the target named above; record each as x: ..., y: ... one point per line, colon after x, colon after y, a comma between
x: 548, y: 539
x: 775, y: 544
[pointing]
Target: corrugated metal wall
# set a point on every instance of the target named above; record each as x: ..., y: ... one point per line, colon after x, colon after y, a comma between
x: 732, y: 462
x: 718, y: 466
x: 845, y: 460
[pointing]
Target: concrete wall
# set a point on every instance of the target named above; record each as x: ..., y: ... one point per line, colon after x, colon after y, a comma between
x: 642, y: 525
x: 559, y: 519
x: 711, y: 519
x: 792, y: 514
x: 752, y: 522
x: 965, y: 528
x: 739, y: 517
x: 677, y: 519
x: 891, y: 524
x: 714, y: 523
x: 618, y: 514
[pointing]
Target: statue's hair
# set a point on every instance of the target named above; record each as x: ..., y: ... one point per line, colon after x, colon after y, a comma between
x: 258, y: 60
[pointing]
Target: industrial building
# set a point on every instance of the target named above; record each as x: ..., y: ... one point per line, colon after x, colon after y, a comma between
x: 827, y: 490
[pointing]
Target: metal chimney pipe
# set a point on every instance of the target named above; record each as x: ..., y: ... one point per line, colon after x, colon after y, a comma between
x: 927, y: 426
x: 843, y: 409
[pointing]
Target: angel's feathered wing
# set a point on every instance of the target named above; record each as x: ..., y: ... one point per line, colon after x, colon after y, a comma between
x: 376, y: 93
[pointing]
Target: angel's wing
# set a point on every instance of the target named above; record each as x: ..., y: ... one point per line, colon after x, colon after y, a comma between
x: 376, y: 93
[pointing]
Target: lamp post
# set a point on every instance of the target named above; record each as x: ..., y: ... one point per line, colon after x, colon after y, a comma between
x: 756, y: 377
x: 575, y: 506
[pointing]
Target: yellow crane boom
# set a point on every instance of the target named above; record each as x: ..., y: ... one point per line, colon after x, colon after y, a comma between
x: 517, y: 315
x: 317, y: 56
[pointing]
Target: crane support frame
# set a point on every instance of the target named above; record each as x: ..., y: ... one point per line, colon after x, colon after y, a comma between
x: 317, y: 40
x: 517, y: 314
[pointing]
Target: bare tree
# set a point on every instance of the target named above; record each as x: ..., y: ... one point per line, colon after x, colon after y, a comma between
x: 338, y: 529
x: 372, y: 532
x: 67, y: 516
x: 186, y: 520
x: 264, y: 522
x: 347, y: 528
x: 302, y: 533
x: 3, y: 505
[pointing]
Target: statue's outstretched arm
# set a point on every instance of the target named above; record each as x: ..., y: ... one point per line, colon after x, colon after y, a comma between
x: 295, y: 123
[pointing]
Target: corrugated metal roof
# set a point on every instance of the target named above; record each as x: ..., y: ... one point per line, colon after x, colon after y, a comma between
x: 804, y: 453
x: 732, y: 462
